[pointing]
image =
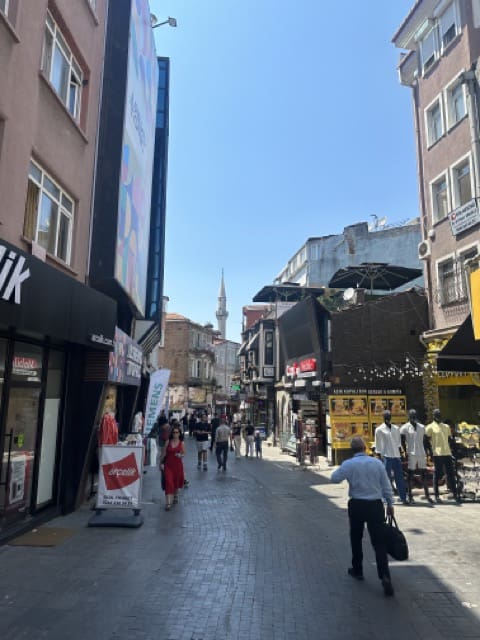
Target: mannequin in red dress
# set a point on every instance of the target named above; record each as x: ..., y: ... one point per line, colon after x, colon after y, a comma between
x: 172, y: 466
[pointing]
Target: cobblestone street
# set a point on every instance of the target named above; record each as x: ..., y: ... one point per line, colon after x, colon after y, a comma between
x: 258, y: 552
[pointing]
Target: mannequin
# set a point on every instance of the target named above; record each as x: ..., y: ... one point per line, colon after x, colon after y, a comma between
x: 387, y: 446
x: 108, y: 431
x: 415, y: 445
x: 438, y: 434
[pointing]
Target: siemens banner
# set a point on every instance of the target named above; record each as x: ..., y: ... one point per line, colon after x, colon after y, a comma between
x: 156, y: 394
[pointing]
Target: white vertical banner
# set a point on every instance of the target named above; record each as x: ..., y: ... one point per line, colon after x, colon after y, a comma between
x: 156, y: 394
x: 119, y: 479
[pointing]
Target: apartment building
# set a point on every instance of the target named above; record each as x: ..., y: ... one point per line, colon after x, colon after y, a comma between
x: 188, y: 352
x: 439, y: 62
x: 314, y: 264
x: 51, y: 57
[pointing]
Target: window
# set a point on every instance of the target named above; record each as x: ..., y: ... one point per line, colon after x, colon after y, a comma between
x: 48, y: 214
x: 61, y: 68
x: 434, y: 123
x: 453, y: 277
x: 446, y: 276
x: 198, y: 369
x: 268, y: 347
x: 428, y: 49
x: 456, y: 108
x: 440, y: 199
x: 462, y: 186
x: 464, y: 257
x: 448, y: 25
x: 4, y: 7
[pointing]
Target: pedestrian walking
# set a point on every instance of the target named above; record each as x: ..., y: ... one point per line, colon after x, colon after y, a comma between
x: 388, y: 447
x: 171, y: 464
x: 237, y: 438
x: 258, y: 443
x: 192, y: 423
x: 214, y: 424
x: 221, y: 446
x: 369, y: 486
x: 414, y: 443
x: 438, y: 434
x: 249, y: 439
x: 201, y: 436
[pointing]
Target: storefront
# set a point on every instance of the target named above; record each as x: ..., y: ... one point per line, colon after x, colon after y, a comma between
x: 48, y: 323
x: 301, y: 403
x: 358, y: 412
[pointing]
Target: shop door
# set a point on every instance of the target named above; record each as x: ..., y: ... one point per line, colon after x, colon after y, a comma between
x: 20, y: 435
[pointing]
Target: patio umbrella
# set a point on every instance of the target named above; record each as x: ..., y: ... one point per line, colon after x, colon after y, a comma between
x: 373, y: 275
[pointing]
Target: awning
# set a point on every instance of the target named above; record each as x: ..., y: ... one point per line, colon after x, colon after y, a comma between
x: 243, y: 349
x: 252, y: 343
x: 462, y: 352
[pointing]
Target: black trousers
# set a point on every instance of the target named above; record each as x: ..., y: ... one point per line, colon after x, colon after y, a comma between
x: 371, y: 513
x: 441, y: 463
x: 221, y: 451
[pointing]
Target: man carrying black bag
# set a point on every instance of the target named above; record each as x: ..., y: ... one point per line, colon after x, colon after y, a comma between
x: 369, y: 486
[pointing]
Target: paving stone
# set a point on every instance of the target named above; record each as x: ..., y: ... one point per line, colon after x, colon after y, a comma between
x: 260, y: 552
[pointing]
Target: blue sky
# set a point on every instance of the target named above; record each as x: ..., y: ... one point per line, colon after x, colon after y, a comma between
x: 286, y: 121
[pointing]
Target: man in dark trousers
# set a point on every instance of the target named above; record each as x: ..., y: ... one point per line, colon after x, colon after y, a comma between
x: 214, y: 424
x: 369, y: 486
x: 201, y: 436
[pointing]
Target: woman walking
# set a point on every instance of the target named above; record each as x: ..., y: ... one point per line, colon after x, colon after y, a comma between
x: 171, y: 465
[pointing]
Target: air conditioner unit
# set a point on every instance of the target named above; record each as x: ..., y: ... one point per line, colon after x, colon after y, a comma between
x: 424, y: 250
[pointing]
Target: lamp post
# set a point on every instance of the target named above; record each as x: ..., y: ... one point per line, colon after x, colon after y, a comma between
x: 172, y: 22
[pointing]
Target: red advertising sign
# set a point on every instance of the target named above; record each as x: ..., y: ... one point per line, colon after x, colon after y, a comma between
x: 309, y: 364
x: 121, y: 473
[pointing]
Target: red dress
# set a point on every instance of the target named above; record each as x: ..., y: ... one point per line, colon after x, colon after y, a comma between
x: 173, y: 469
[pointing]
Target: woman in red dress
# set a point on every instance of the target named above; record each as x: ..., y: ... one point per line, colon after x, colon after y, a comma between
x: 172, y: 466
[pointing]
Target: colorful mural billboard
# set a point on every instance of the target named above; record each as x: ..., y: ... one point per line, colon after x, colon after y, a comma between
x: 133, y: 230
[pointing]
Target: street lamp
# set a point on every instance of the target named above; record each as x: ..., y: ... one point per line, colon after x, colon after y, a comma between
x: 172, y: 22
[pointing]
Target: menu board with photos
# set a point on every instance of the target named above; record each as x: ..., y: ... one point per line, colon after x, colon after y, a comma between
x: 359, y: 415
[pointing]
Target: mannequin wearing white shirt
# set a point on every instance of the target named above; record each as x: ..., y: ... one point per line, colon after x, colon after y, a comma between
x: 387, y: 446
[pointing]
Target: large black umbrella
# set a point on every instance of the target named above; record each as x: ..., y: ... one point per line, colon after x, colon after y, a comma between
x: 373, y: 275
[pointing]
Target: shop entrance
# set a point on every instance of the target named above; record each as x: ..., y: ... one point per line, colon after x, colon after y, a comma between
x: 29, y: 416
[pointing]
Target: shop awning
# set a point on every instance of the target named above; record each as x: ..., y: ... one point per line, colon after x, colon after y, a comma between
x: 252, y: 343
x: 243, y: 349
x: 462, y: 353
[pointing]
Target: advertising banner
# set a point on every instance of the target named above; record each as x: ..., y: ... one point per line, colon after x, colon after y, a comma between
x: 125, y: 361
x: 156, y: 394
x: 133, y: 229
x: 119, y: 479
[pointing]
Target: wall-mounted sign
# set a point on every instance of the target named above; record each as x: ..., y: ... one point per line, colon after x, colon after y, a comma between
x: 12, y: 274
x: 308, y: 365
x: 125, y: 361
x: 464, y: 217
x: 268, y: 372
x: 99, y: 338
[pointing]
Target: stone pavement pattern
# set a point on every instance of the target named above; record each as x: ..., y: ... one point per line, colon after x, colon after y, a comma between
x: 258, y: 552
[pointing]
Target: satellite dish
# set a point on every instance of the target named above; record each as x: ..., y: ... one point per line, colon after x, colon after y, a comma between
x: 348, y: 294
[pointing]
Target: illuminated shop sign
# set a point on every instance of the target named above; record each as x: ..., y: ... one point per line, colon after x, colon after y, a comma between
x: 12, y: 274
x: 304, y: 369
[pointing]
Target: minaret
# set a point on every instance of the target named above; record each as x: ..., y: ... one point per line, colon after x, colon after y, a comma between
x: 222, y: 313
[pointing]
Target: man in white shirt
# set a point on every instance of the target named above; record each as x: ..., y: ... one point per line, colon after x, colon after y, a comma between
x: 387, y: 446
x: 369, y: 488
x: 222, y: 440
x: 413, y: 437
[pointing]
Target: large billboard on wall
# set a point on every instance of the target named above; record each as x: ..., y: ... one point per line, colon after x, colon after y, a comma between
x: 133, y: 225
